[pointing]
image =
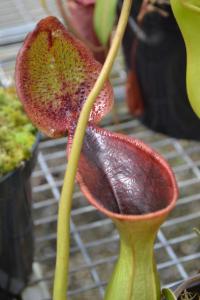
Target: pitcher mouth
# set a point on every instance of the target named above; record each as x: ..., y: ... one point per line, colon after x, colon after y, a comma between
x: 133, y: 182
x: 148, y: 216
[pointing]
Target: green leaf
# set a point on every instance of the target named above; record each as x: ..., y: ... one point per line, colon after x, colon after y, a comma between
x: 104, y: 18
x: 168, y: 294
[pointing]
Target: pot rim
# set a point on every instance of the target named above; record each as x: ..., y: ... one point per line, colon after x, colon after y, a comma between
x: 187, y: 283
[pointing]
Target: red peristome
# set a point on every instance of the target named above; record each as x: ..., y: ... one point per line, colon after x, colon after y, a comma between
x: 82, y: 19
x: 54, y: 75
x: 123, y: 177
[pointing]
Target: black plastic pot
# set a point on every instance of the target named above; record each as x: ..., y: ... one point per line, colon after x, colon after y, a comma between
x: 16, y: 229
x: 192, y: 284
x: 160, y: 66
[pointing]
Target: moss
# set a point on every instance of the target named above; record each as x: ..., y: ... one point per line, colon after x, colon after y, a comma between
x: 17, y: 134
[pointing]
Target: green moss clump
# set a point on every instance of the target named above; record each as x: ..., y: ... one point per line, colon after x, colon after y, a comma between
x: 17, y: 134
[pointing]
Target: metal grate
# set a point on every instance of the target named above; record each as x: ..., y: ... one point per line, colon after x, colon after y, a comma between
x: 94, y: 240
